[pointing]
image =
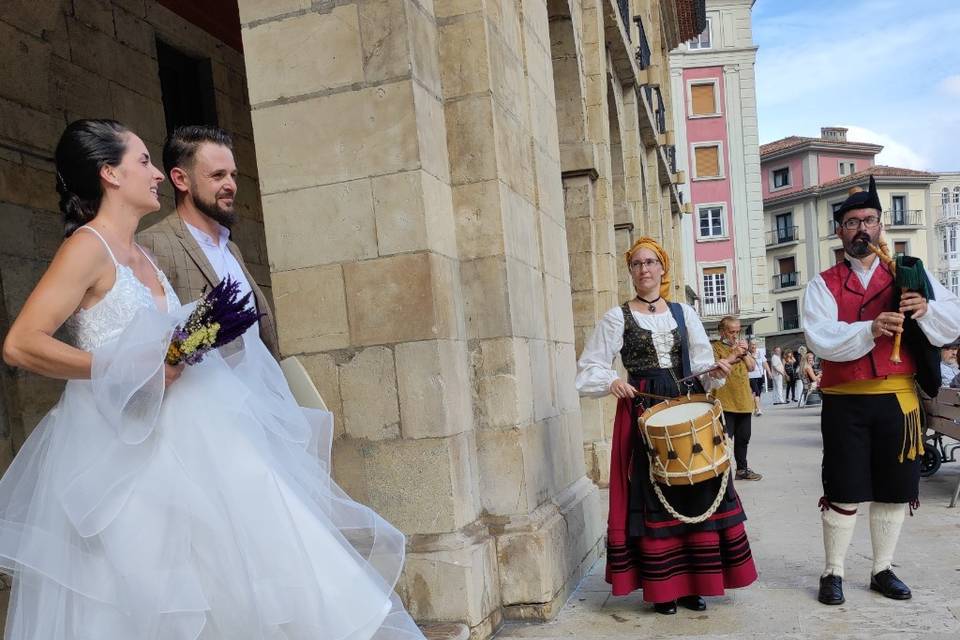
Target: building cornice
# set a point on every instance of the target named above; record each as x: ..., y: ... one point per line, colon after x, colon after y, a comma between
x: 856, y: 148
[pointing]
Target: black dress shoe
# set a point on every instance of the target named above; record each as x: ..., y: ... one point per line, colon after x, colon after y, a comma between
x: 665, y: 608
x: 831, y: 590
x: 694, y: 603
x: 890, y: 585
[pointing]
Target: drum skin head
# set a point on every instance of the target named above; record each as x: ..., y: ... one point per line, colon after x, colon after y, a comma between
x: 678, y: 413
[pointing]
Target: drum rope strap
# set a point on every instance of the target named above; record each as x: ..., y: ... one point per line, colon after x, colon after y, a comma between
x: 706, y: 515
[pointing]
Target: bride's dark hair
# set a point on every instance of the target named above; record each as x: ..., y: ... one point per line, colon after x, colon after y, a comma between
x: 84, y: 148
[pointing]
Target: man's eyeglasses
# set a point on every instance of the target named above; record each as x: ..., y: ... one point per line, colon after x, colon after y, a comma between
x: 852, y: 224
x: 648, y: 263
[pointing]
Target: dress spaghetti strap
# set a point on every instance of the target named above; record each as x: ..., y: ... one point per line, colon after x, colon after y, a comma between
x: 107, y: 246
x: 149, y: 259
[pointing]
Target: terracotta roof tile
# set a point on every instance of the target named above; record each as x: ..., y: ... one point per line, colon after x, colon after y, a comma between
x: 859, y: 177
x: 795, y: 141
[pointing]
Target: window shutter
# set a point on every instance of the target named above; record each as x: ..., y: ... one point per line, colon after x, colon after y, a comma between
x: 708, y: 161
x: 702, y: 99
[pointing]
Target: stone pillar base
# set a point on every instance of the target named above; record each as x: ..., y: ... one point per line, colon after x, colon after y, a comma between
x: 453, y: 577
x: 544, y: 555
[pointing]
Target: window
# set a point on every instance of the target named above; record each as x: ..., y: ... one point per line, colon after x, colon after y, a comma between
x: 945, y: 196
x: 788, y: 273
x: 186, y: 86
x: 953, y: 239
x: 847, y: 168
x: 781, y: 178
x: 955, y: 283
x: 711, y: 221
x: 789, y: 315
x: 838, y: 256
x: 707, y: 160
x: 703, y: 40
x: 956, y: 195
x: 899, y: 205
x: 703, y: 99
x: 786, y: 232
x: 900, y: 248
x: 715, y: 289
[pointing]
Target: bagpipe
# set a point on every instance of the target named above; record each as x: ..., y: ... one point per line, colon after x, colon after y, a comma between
x: 909, y: 274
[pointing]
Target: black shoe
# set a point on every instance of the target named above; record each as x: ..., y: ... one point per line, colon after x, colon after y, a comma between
x: 694, y: 603
x: 665, y: 608
x: 890, y: 585
x: 831, y: 590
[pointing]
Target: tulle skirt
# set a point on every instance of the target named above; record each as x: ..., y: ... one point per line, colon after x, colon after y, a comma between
x: 201, y: 511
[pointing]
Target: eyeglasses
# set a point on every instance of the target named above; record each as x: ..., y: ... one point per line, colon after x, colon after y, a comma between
x: 852, y: 224
x: 648, y: 263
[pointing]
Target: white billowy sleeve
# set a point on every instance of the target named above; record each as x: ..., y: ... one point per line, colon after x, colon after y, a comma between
x: 827, y: 336
x: 700, y: 349
x: 941, y: 322
x: 595, y: 369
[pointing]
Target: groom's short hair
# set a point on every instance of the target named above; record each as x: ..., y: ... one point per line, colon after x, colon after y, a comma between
x: 182, y: 144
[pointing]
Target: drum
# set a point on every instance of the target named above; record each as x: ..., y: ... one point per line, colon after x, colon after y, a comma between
x: 686, y: 440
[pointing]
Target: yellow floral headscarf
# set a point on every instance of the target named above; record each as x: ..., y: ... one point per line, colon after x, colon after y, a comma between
x: 652, y: 245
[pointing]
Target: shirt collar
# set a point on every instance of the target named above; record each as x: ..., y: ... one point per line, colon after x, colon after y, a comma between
x: 204, y: 239
x: 858, y: 267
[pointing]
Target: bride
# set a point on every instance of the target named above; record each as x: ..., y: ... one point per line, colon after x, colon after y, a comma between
x: 169, y: 503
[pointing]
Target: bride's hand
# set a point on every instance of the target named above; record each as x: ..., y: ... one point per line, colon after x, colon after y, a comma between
x: 171, y: 373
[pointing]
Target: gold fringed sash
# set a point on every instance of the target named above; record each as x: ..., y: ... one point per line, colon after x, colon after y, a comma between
x: 903, y: 386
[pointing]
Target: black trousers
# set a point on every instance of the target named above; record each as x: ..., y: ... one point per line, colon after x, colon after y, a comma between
x: 738, y: 428
x: 862, y: 440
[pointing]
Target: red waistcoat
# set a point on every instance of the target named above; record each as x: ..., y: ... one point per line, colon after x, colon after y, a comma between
x: 853, y: 305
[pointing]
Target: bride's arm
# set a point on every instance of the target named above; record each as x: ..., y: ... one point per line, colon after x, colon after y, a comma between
x: 80, y: 272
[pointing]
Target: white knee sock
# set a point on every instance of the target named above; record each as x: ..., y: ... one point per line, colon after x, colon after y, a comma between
x: 837, y: 532
x: 886, y: 519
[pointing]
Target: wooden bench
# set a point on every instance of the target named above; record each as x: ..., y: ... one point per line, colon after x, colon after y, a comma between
x: 943, y: 415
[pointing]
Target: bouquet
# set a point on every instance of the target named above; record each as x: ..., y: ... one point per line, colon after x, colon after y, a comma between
x: 218, y: 319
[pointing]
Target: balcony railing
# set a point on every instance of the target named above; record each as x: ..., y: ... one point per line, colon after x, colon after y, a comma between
x: 789, y: 323
x: 643, y: 47
x: 784, y: 280
x: 671, y: 152
x: 780, y: 235
x: 949, y: 211
x: 624, y: 6
x: 717, y: 306
x: 661, y: 113
x: 903, y: 218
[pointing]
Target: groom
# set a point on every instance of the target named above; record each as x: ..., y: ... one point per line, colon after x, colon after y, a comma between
x: 192, y: 245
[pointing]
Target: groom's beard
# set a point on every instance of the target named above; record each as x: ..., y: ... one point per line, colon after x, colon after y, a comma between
x: 859, y: 246
x: 226, y: 216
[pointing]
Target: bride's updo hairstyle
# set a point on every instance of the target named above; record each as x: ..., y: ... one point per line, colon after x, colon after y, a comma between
x: 85, y: 147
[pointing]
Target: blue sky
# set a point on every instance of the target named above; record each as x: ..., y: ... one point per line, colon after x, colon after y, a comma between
x: 887, y: 69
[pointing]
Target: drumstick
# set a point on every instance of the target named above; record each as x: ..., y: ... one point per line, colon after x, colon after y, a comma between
x: 697, y: 375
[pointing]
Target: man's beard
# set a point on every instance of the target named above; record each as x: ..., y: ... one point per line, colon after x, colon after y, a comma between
x: 211, y: 209
x: 859, y: 246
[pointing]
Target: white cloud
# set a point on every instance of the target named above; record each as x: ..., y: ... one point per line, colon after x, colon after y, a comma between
x: 950, y: 85
x: 894, y: 154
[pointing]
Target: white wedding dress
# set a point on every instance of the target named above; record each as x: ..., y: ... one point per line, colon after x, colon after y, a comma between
x: 203, y: 511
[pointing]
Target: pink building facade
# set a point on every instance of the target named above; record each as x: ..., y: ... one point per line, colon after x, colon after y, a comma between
x: 717, y: 143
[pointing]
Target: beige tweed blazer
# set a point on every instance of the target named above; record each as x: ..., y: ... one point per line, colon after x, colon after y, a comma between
x: 183, y: 261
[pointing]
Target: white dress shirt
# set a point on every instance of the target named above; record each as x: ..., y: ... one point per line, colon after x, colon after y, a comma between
x: 846, y: 341
x: 224, y: 263
x: 595, y: 369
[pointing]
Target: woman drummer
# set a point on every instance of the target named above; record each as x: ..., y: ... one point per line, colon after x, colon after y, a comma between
x: 660, y: 343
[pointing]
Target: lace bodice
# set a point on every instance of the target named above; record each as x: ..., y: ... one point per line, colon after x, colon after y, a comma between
x: 91, y: 328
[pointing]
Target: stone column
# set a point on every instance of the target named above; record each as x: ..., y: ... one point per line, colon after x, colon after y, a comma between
x: 351, y: 145
x: 508, y: 201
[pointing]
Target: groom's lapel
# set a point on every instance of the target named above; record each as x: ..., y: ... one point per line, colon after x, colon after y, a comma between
x: 193, y: 250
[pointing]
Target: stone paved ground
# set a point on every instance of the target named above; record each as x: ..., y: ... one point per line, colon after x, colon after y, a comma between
x: 784, y: 530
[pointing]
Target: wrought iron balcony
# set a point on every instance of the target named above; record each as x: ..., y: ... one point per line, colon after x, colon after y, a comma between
x: 671, y: 151
x: 717, y: 306
x: 790, y: 322
x: 660, y: 112
x: 643, y: 47
x: 782, y: 235
x: 785, y: 280
x: 903, y: 218
x: 624, y: 6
